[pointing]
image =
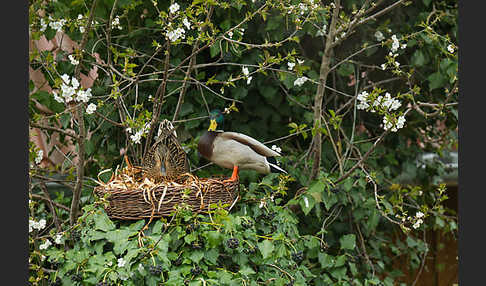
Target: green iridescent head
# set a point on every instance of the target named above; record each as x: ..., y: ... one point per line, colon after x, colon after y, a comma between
x: 216, y: 118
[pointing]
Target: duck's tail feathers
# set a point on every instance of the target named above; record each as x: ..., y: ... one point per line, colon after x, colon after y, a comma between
x: 274, y: 168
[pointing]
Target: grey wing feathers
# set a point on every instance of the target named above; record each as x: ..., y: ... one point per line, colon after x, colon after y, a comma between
x: 256, y: 145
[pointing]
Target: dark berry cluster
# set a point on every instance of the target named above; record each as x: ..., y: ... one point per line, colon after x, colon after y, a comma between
x: 249, y: 250
x: 178, y: 261
x: 246, y: 224
x: 197, y: 244
x: 234, y: 268
x: 298, y: 256
x: 77, y: 277
x: 191, y: 227
x: 268, y: 216
x: 233, y: 243
x: 196, y: 270
x: 75, y: 235
x: 155, y: 270
x: 335, y: 190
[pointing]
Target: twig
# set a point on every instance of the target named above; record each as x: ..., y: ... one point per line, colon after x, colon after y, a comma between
x: 423, y: 261
x: 323, y: 73
x: 51, y: 206
x: 350, y: 171
x: 189, y: 68
x: 79, y: 115
x: 281, y: 270
x: 53, y: 202
x: 109, y: 120
x: 62, y: 131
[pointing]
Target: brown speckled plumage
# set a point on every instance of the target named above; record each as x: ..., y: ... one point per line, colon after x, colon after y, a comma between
x: 166, y: 159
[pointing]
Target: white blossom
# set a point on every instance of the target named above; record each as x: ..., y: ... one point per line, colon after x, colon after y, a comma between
x: 363, y: 100
x: 300, y: 81
x: 248, y: 80
x: 395, y: 44
x: 39, y: 156
x: 418, y: 223
x: 73, y: 60
x: 322, y: 31
x: 41, y: 224
x: 306, y: 202
x: 67, y: 92
x: 74, y: 83
x: 302, y: 8
x: 401, y: 122
x: 136, y: 137
x: 230, y: 34
x: 363, y: 96
x: 395, y: 104
x: 31, y: 225
x: 383, y: 66
x: 57, y: 25
x: 82, y: 29
x: 186, y: 23
x: 65, y: 78
x: 450, y: 48
x: 403, y: 46
x: 379, y: 36
x: 121, y: 262
x: 300, y: 61
x: 245, y: 71
x: 290, y: 65
x: 83, y: 95
x: 116, y: 23
x: 43, y: 25
x: 276, y: 148
x: 58, y: 238
x: 91, y: 108
x: 419, y: 214
x: 362, y: 105
x: 174, y: 8
x: 174, y: 35
x: 387, y: 124
x: 45, y: 245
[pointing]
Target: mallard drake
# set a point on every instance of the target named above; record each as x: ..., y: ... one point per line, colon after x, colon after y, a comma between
x: 165, y: 159
x: 235, y: 151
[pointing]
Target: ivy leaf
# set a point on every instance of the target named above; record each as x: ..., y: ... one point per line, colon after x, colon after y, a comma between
x: 246, y: 271
x: 214, y: 238
x: 212, y: 255
x: 418, y: 58
x: 325, y: 260
x: 307, y: 203
x: 329, y: 199
x: 348, y: 241
x: 196, y: 256
x: 436, y: 80
x: 266, y: 248
x: 103, y: 222
x: 339, y: 273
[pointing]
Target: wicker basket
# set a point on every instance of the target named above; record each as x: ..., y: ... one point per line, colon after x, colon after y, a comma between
x: 161, y: 200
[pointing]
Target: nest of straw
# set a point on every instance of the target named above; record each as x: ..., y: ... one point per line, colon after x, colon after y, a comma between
x: 131, y: 196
